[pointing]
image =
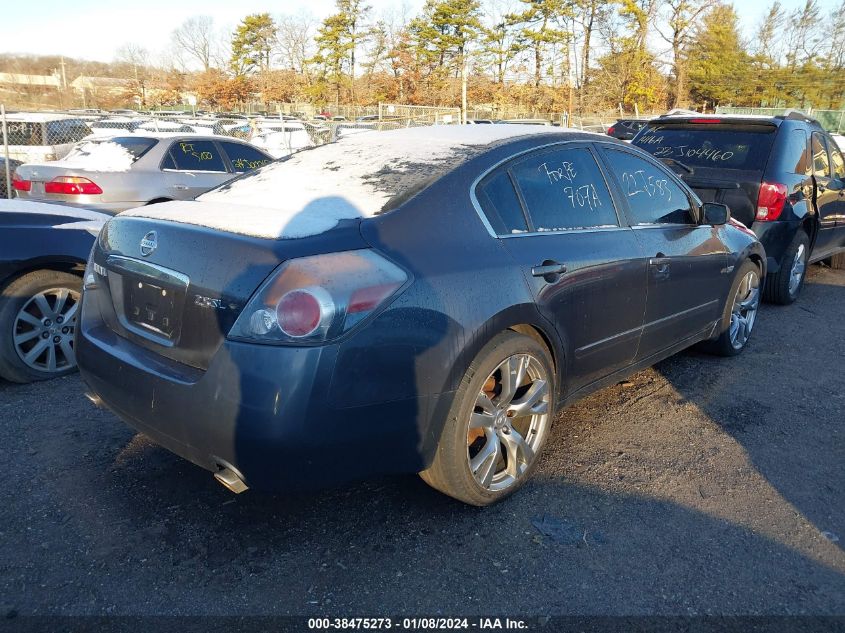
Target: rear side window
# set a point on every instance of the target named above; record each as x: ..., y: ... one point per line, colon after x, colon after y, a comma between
x: 194, y: 155
x: 564, y: 189
x: 796, y: 157
x: 653, y: 196
x: 244, y: 158
x: 714, y: 145
x: 501, y: 205
x: 821, y: 162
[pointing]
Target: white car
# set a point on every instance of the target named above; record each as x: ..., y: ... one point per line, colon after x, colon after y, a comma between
x: 40, y: 137
x: 840, y: 141
x: 281, y: 138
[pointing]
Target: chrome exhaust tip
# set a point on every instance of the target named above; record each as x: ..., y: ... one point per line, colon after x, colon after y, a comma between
x: 94, y: 399
x: 231, y: 480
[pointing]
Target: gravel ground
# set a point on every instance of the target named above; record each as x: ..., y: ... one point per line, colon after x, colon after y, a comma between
x: 701, y: 486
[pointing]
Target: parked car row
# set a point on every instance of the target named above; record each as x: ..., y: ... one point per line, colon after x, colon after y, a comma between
x: 418, y: 300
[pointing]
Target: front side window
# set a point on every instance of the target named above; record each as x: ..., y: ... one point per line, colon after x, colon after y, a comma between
x: 836, y: 160
x: 245, y: 158
x: 194, y: 155
x: 564, y: 189
x: 653, y: 196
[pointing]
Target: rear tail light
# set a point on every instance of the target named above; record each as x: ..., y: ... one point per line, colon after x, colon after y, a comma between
x: 318, y: 298
x: 19, y: 184
x: 770, y: 201
x: 611, y: 130
x: 72, y: 186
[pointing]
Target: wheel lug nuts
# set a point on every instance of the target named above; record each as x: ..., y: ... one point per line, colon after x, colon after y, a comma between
x: 59, y: 319
x: 48, y: 322
x: 65, y: 330
x: 45, y: 335
x: 57, y: 339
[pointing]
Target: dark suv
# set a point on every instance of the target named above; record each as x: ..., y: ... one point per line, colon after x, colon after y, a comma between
x: 625, y: 129
x: 782, y: 176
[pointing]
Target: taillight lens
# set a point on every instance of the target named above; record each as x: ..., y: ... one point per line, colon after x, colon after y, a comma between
x: 611, y: 130
x: 73, y: 186
x: 19, y: 184
x: 318, y: 298
x: 771, y: 200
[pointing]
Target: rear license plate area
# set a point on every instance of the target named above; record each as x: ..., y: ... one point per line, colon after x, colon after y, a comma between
x: 153, y: 306
x: 148, y: 299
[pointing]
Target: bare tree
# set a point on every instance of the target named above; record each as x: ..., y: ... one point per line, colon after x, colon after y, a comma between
x: 295, y: 40
x: 196, y: 36
x: 681, y: 16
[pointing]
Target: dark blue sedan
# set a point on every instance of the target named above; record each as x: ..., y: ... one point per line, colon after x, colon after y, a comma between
x: 420, y: 300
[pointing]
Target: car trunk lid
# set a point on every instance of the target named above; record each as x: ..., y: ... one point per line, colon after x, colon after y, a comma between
x: 177, y: 289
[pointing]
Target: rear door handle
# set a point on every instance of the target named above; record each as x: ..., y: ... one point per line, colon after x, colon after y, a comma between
x: 659, y: 262
x: 180, y: 187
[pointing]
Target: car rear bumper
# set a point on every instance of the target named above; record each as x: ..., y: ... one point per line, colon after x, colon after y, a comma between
x: 265, y: 410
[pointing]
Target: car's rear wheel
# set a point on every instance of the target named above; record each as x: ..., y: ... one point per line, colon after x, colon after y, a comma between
x: 37, y: 322
x: 498, y: 423
x: 785, y: 285
x: 740, y: 312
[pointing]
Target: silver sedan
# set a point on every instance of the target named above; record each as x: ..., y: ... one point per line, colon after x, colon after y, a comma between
x: 112, y: 174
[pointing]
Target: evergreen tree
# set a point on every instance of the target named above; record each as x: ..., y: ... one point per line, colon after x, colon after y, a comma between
x: 539, y: 28
x: 252, y: 44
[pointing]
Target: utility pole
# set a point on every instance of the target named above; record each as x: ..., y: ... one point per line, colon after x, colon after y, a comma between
x: 464, y: 92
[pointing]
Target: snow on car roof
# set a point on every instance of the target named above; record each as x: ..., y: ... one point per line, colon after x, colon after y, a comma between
x: 355, y: 177
x: 38, y: 117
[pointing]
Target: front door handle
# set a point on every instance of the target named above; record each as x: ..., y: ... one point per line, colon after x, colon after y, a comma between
x: 660, y: 264
x: 549, y: 270
x: 180, y: 187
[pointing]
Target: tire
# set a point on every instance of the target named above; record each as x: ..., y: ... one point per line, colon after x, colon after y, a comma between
x: 837, y: 262
x: 740, y: 313
x: 496, y: 443
x: 29, y: 319
x: 782, y: 287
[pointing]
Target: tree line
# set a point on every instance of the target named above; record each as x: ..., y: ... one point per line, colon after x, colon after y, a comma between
x: 544, y: 55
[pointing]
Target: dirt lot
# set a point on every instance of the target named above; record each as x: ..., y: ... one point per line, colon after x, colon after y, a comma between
x: 702, y: 486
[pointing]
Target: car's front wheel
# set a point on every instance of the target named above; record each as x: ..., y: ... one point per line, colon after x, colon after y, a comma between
x: 498, y: 423
x: 37, y: 321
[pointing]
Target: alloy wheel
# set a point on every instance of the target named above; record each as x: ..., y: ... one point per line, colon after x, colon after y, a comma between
x: 509, y: 422
x: 43, y: 329
x: 744, y: 311
x: 796, y: 273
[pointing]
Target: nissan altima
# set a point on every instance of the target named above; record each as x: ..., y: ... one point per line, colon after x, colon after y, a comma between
x: 419, y: 300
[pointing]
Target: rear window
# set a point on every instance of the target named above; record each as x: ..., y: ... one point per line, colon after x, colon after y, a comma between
x: 66, y: 131
x: 718, y: 146
x: 135, y: 146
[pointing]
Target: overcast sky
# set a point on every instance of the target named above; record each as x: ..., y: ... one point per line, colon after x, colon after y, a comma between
x: 94, y: 29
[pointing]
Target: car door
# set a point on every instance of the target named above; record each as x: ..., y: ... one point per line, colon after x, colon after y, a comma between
x: 834, y: 206
x: 557, y: 219
x: 829, y: 191
x: 193, y: 166
x: 243, y: 157
x: 688, y: 277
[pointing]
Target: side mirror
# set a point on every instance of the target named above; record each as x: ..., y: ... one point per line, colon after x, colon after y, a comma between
x: 715, y: 213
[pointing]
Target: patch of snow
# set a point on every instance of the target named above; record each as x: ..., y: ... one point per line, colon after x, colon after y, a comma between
x: 355, y: 177
x: 101, y: 155
x: 47, y: 208
x: 317, y: 217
